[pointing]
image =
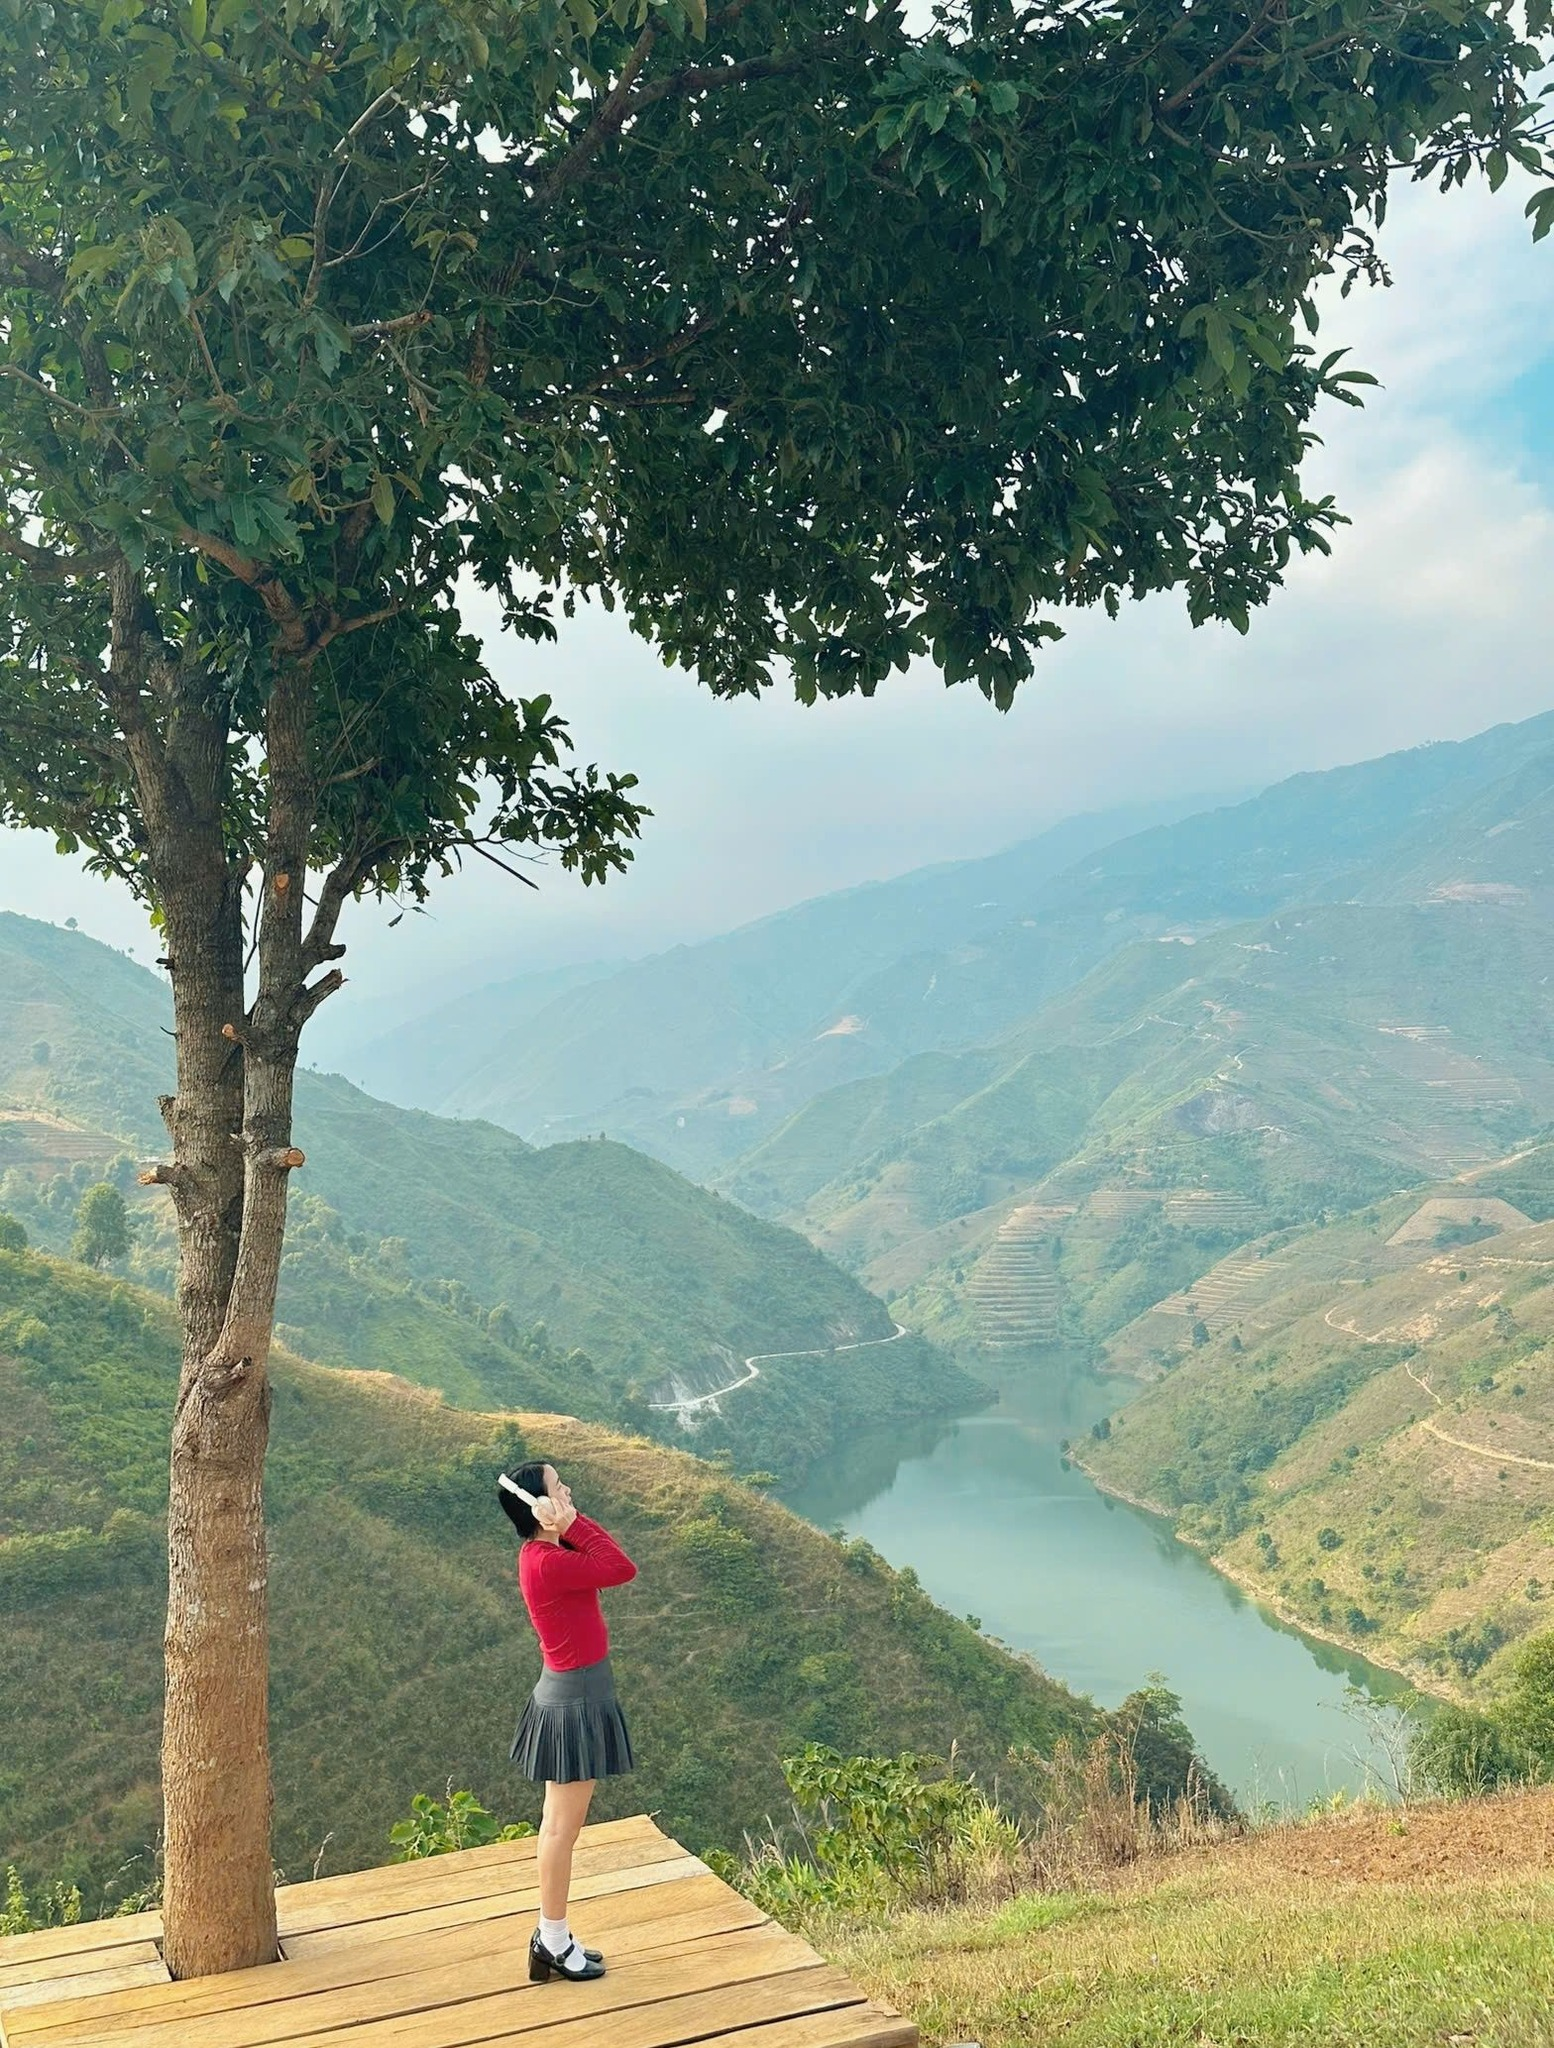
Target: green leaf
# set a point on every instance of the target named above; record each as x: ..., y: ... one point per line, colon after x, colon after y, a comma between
x: 383, y: 498
x: 1218, y: 338
x: 198, y: 16
x: 1540, y: 211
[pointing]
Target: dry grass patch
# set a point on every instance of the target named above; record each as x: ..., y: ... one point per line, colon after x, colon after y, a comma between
x: 1369, y: 1931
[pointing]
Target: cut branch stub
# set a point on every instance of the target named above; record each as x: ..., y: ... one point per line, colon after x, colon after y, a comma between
x: 284, y: 1159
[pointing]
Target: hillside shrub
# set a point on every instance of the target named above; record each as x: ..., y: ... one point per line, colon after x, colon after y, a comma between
x: 1460, y: 1753
x: 13, y: 1238
x: 873, y: 1832
x: 21, y: 1912
x: 729, y: 1563
x: 432, y: 1828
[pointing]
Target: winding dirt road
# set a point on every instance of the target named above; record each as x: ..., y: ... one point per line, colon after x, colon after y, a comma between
x: 1460, y: 1444
x: 752, y: 1370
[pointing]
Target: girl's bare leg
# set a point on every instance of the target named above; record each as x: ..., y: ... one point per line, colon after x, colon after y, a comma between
x: 566, y: 1809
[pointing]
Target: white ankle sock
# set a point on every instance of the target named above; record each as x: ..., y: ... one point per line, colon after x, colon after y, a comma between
x: 556, y: 1935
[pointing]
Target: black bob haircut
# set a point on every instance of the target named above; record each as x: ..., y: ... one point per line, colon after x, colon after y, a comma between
x: 531, y: 1478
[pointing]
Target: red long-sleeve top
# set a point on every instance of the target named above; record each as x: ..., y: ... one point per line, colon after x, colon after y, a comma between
x: 561, y: 1582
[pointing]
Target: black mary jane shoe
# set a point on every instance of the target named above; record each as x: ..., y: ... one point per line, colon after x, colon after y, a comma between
x: 543, y: 1965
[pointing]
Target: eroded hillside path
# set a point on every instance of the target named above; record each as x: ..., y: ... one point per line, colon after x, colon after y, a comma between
x: 1460, y: 1443
x: 752, y: 1368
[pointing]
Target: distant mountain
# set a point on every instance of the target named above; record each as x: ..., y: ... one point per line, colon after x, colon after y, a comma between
x: 401, y: 1653
x: 693, y: 1053
x: 431, y: 1247
x: 1220, y: 1080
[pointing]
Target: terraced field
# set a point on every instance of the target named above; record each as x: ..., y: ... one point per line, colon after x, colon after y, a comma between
x: 1014, y: 1287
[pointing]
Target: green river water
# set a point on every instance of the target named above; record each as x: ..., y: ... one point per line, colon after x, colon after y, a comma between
x: 997, y: 1525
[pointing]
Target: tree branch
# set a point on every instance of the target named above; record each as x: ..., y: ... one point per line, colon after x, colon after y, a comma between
x: 609, y: 118
x: 714, y: 77
x: 38, y: 270
x: 51, y: 567
x: 1179, y: 99
x: 272, y: 593
x: 407, y: 323
x: 317, y: 992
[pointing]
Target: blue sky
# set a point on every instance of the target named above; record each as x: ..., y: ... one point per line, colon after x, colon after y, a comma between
x: 1429, y: 622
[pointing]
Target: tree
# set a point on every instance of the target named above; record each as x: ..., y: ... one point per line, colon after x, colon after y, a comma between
x: 102, y: 1227
x: 13, y: 1238
x: 815, y: 342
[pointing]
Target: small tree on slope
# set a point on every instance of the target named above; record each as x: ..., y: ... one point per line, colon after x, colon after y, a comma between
x: 816, y: 342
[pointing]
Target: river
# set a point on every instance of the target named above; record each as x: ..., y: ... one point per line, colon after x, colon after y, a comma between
x: 998, y: 1525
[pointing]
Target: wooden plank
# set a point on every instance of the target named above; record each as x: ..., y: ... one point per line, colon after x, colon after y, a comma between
x: 82, y: 1984
x: 280, y: 2005
x: 444, y: 1879
x: 554, y: 2021
x: 18, y: 1976
x: 858, y: 2026
x: 79, y: 1940
x: 626, y: 1908
x: 612, y: 2010
x: 281, y: 1980
x: 349, y: 1962
x: 638, y: 1828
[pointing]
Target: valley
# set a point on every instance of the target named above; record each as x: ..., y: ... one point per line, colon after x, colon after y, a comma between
x: 1215, y: 1177
x: 585, y: 1275
x: 1221, y: 1048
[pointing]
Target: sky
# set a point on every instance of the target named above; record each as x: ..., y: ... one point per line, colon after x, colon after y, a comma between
x: 1430, y: 621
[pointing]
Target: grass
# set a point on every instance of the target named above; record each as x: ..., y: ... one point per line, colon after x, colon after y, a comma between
x: 1251, y: 1942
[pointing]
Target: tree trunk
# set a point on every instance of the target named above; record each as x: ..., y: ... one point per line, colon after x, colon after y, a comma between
x: 230, y: 1123
x: 219, y: 1904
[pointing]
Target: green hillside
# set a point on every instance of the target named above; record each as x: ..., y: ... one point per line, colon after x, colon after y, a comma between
x: 697, y: 1054
x: 436, y: 1241
x: 401, y: 1654
x: 1366, y: 1437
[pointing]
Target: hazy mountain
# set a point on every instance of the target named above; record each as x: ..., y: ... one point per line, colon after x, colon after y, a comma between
x: 698, y: 1054
x: 692, y: 1052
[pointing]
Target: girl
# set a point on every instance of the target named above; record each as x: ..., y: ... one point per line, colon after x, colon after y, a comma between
x: 572, y: 1732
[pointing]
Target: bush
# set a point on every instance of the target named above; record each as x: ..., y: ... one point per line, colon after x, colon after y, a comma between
x: 1527, y: 1713
x: 877, y: 1831
x: 1328, y: 1539
x: 59, y: 1906
x: 730, y: 1566
x: 1461, y: 1754
x: 12, y: 1236
x: 433, y: 1830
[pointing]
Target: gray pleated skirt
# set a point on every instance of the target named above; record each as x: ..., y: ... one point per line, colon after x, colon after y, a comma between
x: 573, y: 1729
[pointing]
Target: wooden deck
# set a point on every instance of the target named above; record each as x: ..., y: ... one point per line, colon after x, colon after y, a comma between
x: 435, y: 1955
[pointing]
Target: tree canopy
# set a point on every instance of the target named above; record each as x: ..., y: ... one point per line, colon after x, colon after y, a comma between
x: 812, y: 340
